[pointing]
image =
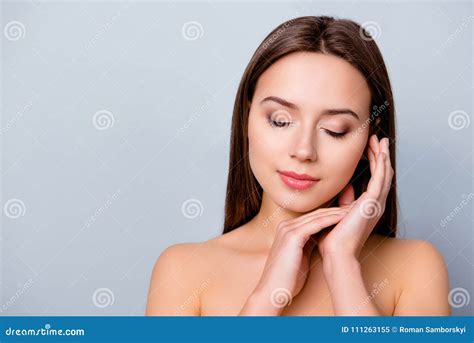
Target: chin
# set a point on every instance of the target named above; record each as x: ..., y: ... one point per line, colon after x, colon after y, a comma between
x: 295, y: 202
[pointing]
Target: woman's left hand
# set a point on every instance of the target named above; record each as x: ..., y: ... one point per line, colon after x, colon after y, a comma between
x: 350, y: 234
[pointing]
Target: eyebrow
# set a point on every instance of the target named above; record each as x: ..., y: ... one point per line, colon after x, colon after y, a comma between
x: 332, y: 111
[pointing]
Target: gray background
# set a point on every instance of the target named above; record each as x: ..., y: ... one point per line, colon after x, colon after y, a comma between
x: 87, y: 209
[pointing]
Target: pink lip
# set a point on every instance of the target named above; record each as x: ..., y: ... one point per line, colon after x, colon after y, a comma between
x: 297, y: 181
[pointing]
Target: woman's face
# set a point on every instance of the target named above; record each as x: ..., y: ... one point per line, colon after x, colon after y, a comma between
x: 300, y: 122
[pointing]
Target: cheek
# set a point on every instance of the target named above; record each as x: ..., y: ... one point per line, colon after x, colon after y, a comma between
x: 340, y: 164
x: 258, y: 156
x: 263, y: 151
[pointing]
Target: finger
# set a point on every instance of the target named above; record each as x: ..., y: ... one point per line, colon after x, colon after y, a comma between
x: 388, y: 170
x: 378, y: 145
x: 316, y: 213
x: 375, y: 145
x: 377, y: 180
x: 315, y: 216
x: 372, y: 161
x: 385, y: 143
x: 374, y: 148
x: 319, y: 224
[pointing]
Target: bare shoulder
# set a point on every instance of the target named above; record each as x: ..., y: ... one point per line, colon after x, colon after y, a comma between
x: 420, y: 271
x: 172, y: 281
x: 401, y: 253
x: 191, y: 259
x: 181, y: 273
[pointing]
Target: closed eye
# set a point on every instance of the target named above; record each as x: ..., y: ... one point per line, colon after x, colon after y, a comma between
x: 278, y: 123
x: 282, y: 124
x: 337, y: 135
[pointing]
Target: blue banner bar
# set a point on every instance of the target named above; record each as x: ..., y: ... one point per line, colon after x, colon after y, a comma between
x: 236, y: 329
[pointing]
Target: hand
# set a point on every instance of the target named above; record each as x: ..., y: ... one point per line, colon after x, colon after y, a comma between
x: 350, y: 234
x: 288, y: 262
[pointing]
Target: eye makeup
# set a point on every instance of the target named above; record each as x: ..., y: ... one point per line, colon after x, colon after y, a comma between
x: 337, y: 135
x: 279, y: 119
x: 283, y: 123
x: 278, y: 123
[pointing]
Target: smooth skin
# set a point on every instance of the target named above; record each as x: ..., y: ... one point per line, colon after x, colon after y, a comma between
x: 297, y: 256
x: 340, y: 247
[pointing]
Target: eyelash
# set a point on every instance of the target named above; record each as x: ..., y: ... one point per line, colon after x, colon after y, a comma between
x: 337, y: 135
x: 274, y: 124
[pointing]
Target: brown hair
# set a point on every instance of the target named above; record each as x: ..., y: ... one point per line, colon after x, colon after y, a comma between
x: 340, y: 37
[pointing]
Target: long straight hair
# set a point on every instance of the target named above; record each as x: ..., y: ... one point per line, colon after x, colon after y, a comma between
x: 339, y: 37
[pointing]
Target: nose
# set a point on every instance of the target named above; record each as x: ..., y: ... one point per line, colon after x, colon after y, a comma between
x: 303, y: 148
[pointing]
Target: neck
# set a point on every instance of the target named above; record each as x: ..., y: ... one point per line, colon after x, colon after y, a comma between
x: 271, y: 214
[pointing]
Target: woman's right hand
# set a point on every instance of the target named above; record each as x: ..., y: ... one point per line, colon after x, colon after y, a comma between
x: 288, y: 262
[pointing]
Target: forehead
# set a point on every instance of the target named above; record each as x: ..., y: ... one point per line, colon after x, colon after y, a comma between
x: 314, y: 82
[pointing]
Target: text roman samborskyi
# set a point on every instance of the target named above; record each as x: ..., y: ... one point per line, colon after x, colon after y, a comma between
x: 430, y: 329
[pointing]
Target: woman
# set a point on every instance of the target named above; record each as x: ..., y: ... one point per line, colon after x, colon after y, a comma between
x: 311, y: 208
